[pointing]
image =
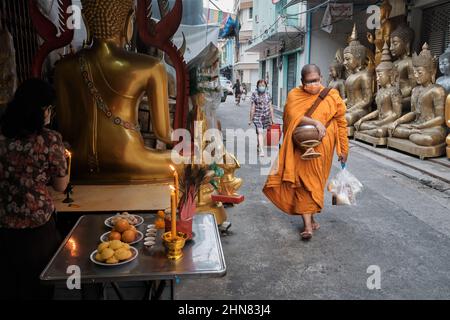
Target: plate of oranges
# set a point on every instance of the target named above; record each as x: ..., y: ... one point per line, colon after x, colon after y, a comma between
x: 132, y: 237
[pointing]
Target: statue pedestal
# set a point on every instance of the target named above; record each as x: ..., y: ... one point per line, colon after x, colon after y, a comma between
x: 411, y: 148
x: 227, y: 199
x: 371, y: 140
x: 350, y: 131
x: 118, y: 198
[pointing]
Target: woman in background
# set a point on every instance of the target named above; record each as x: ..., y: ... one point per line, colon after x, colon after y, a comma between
x: 31, y: 156
x: 261, y: 112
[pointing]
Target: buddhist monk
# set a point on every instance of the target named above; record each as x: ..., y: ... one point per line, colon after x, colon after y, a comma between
x: 296, y: 186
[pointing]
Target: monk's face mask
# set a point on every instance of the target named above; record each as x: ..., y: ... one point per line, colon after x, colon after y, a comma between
x: 312, y: 87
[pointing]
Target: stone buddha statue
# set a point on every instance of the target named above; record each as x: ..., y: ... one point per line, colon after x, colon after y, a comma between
x: 388, y: 101
x: 359, y: 83
x: 444, y: 81
x: 99, y: 90
x: 425, y: 125
x: 382, y: 34
x: 337, y: 77
x: 401, y: 39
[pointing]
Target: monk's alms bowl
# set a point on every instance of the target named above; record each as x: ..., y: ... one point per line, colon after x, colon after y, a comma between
x: 306, y: 136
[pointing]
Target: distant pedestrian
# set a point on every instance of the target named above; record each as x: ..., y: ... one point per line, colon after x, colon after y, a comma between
x: 261, y: 112
x: 237, y: 92
x: 244, y: 92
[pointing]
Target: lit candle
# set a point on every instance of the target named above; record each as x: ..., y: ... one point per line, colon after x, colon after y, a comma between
x: 173, y: 204
x: 175, y: 180
x: 69, y: 164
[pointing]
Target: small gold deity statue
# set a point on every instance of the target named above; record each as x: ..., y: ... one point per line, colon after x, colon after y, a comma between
x: 99, y: 90
x: 401, y: 39
x: 382, y: 35
x: 8, y: 76
x: 389, y: 104
x: 424, y: 126
x: 359, y: 83
x: 229, y: 183
x: 337, y: 80
x: 444, y: 81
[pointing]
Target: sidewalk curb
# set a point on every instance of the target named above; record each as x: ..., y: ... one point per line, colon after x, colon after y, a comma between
x: 381, y: 154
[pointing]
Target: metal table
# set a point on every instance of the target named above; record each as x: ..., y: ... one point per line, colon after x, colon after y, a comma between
x: 203, y: 257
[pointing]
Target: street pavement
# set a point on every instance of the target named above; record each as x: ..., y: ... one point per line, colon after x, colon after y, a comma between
x: 399, y: 227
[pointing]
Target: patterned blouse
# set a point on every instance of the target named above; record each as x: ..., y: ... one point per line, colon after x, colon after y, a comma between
x: 262, y: 116
x: 26, y: 167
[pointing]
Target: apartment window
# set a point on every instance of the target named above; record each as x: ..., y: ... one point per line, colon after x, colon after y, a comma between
x: 250, y: 14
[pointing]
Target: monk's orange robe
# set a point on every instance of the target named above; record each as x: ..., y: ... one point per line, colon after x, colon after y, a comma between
x: 296, y: 186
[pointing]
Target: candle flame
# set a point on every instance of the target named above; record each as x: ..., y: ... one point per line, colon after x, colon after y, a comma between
x: 172, y: 167
x: 72, y: 244
x: 172, y: 188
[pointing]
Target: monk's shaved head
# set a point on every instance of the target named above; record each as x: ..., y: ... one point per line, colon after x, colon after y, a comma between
x: 310, y: 68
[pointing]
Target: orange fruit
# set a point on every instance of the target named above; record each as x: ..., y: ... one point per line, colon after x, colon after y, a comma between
x: 160, y: 224
x: 114, y: 235
x: 122, y: 225
x: 128, y: 236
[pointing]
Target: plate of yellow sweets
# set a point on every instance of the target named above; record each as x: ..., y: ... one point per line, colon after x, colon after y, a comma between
x: 113, y: 253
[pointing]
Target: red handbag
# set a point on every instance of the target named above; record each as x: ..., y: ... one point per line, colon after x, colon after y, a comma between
x: 273, y: 134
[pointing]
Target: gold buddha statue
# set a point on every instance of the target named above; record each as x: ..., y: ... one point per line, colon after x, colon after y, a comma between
x: 401, y: 39
x: 99, y: 90
x: 337, y: 76
x: 382, y: 34
x: 388, y: 101
x: 424, y: 126
x: 359, y: 83
x: 444, y: 81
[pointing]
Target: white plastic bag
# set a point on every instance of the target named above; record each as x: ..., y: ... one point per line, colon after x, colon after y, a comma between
x: 344, y: 187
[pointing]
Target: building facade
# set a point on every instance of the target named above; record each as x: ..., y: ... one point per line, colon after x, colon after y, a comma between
x: 246, y: 66
x: 279, y: 38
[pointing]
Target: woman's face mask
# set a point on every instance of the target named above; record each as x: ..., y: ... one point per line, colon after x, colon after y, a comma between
x: 261, y: 89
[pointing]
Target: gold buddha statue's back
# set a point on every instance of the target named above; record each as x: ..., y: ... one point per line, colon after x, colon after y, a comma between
x: 99, y: 90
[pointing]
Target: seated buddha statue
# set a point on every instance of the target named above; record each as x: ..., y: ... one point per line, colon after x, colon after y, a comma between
x: 358, y: 86
x: 444, y: 81
x: 99, y: 90
x: 388, y: 101
x: 337, y: 78
x: 382, y: 34
x: 425, y: 124
x: 401, y: 39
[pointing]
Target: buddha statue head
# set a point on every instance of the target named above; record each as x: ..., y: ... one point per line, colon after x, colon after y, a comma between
x: 336, y: 70
x: 355, y: 53
x: 109, y: 19
x: 401, y: 39
x: 444, y: 62
x: 384, y: 69
x: 424, y: 66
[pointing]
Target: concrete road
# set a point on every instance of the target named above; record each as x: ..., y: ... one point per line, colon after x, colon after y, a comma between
x: 400, y: 227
